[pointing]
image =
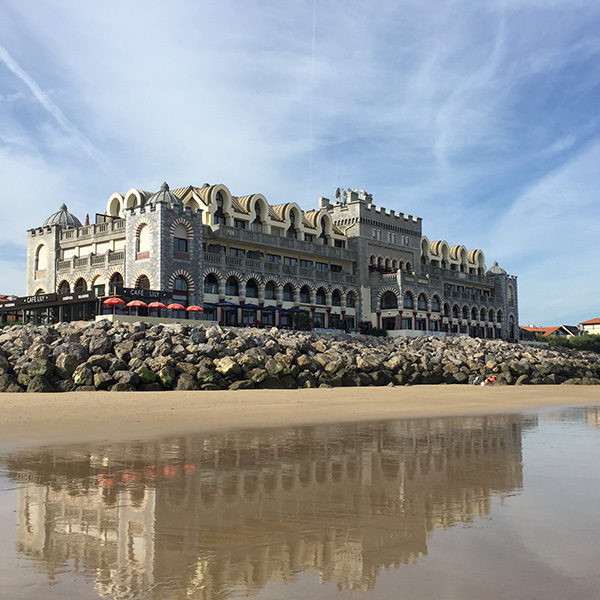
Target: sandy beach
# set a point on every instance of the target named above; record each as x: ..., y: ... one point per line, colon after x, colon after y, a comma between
x: 32, y: 419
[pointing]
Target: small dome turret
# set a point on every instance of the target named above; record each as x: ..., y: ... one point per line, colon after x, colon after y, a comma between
x: 496, y: 270
x: 165, y: 196
x: 63, y: 218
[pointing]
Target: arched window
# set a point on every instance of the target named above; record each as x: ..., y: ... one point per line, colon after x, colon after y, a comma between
x: 491, y: 316
x: 180, y: 292
x: 435, y: 304
x: 465, y: 312
x: 336, y: 298
x: 64, y: 288
x: 257, y: 223
x: 408, y: 267
x: 142, y: 242
x: 211, y: 285
x: 305, y: 294
x: 143, y: 283
x: 323, y: 234
x: 473, y: 314
x: 320, y: 296
x: 351, y: 300
x: 251, y: 289
x: 41, y: 258
x: 291, y: 232
x: 219, y: 217
x: 447, y: 310
x: 389, y: 300
x: 482, y: 315
x: 511, y: 295
x: 455, y: 311
x: 408, y: 300
x: 288, y: 293
x: 232, y: 287
x: 80, y: 286
x: 499, y: 316
x: 116, y: 281
x: 180, y: 239
x: 422, y: 302
x: 270, y: 291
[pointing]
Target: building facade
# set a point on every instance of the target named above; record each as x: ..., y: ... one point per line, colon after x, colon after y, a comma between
x: 245, y: 260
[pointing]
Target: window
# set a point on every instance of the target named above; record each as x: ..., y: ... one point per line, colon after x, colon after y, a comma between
x: 232, y: 287
x: 351, y: 300
x: 309, y: 238
x: 435, y: 304
x: 143, y: 283
x: 389, y: 300
x: 239, y: 224
x: 257, y: 223
x: 291, y: 232
x: 319, y: 319
x: 288, y: 292
x: 180, y: 294
x: 99, y: 289
x: 251, y: 289
x: 340, y: 244
x: 211, y: 285
x: 336, y: 299
x: 64, y: 287
x: 219, y: 216
x: 270, y: 291
x: 422, y: 302
x: 287, y: 260
x: 80, y: 286
x: 336, y: 268
x: 321, y: 266
x: 41, y: 258
x: 180, y: 245
x: 306, y: 264
x: 237, y: 252
x: 255, y: 255
x: 304, y: 295
x: 116, y: 281
x: 408, y: 300
x: 320, y: 296
x: 273, y: 258
x: 142, y: 242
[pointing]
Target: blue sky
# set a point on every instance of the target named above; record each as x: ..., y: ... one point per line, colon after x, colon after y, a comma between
x: 483, y: 118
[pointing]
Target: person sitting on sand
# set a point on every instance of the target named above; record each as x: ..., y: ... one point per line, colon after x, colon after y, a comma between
x: 489, y: 380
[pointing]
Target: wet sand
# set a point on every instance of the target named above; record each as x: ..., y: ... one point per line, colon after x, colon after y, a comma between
x: 32, y: 419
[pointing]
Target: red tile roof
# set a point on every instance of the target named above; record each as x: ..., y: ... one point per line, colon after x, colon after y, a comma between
x: 595, y: 321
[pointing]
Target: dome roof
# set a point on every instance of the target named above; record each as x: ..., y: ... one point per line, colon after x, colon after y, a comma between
x: 63, y: 218
x: 165, y: 196
x: 496, y: 270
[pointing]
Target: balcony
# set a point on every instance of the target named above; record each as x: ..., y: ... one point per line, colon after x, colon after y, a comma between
x: 96, y: 261
x: 250, y: 265
x: 93, y: 233
x: 225, y: 232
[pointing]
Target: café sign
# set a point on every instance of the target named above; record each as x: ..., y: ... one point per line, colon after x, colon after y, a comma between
x: 144, y: 294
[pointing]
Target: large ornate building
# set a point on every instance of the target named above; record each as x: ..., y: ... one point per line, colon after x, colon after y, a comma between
x: 244, y: 259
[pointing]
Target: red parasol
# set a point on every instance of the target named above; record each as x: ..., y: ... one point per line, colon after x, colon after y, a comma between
x: 137, y: 303
x: 194, y: 308
x: 156, y: 305
x: 114, y: 302
x: 175, y: 306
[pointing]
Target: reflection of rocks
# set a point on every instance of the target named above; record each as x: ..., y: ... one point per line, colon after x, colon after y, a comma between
x: 181, y: 356
x: 238, y: 510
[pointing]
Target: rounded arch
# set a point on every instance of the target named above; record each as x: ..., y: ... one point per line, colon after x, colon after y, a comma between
x: 465, y: 312
x: 288, y: 292
x: 252, y: 285
x: 211, y: 282
x: 482, y: 315
x: 422, y: 301
x: 455, y: 311
x: 491, y: 316
x: 41, y: 257
x: 435, y: 303
x: 80, y: 286
x: 185, y: 275
x: 425, y: 257
x: 270, y: 290
x: 115, y: 280
x: 64, y: 287
x: 408, y: 300
x: 321, y: 296
x: 181, y: 226
x: 40, y: 291
x: 114, y: 206
x: 232, y: 284
x: 305, y: 294
x: 336, y: 297
x: 474, y: 313
x: 142, y: 280
x: 351, y: 299
x: 388, y: 299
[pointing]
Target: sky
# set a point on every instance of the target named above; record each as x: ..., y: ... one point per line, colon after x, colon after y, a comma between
x: 483, y: 118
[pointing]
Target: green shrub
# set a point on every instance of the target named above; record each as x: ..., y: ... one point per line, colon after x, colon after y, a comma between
x: 377, y: 332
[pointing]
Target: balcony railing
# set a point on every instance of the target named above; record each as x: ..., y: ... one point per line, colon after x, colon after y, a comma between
x: 89, y: 232
x: 92, y: 260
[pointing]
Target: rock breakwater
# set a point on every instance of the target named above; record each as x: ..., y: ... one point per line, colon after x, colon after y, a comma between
x: 134, y: 356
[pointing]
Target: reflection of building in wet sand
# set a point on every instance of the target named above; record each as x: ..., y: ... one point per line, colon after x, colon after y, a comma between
x: 210, y: 517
